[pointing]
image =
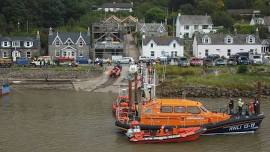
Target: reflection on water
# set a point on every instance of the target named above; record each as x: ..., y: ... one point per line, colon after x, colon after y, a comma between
x: 66, y: 121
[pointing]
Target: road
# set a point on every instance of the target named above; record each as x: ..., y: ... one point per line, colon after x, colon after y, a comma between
x: 131, y: 48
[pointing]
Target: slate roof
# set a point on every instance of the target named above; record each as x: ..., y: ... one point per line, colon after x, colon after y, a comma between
x: 117, y: 5
x: 267, y: 20
x: 151, y: 27
x: 195, y: 20
x: 22, y: 39
x: 74, y: 36
x: 162, y: 40
x: 219, y: 39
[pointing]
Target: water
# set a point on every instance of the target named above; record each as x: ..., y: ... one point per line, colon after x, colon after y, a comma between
x: 67, y: 121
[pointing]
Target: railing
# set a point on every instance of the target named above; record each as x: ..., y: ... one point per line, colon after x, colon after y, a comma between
x: 109, y: 45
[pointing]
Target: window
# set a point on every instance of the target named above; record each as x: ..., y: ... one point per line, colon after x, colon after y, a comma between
x: 16, y: 44
x: 57, y: 53
x: 250, y: 39
x: 28, y: 44
x: 57, y: 43
x: 206, y: 39
x: 180, y: 109
x: 81, y: 43
x: 152, y: 53
x: 72, y: 53
x: 28, y: 54
x: 64, y: 53
x: 229, y: 52
x: 193, y: 110
x: 5, y: 54
x: 152, y: 45
x: 251, y: 51
x: 228, y: 39
x: 186, y: 27
x: 5, y: 44
x: 81, y: 53
x: 175, y: 53
x: 174, y: 45
x: 166, y: 109
x: 205, y: 26
x: 196, y: 27
x: 206, y: 53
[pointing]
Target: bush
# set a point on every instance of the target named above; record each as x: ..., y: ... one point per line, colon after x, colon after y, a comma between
x: 242, y: 69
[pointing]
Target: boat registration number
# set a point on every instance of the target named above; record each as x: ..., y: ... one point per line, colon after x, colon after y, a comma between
x: 242, y: 126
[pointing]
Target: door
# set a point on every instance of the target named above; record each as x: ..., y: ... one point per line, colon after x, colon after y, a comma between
x: 15, y: 54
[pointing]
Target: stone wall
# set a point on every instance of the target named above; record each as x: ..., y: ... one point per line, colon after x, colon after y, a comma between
x: 192, y: 91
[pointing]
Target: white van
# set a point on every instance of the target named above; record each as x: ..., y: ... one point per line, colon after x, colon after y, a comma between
x: 257, y: 59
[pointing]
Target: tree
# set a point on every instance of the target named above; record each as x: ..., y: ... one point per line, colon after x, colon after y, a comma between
x: 187, y: 9
x: 222, y: 18
x: 155, y: 14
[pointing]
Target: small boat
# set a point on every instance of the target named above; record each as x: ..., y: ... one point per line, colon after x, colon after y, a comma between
x: 5, y: 89
x: 116, y: 71
x: 174, y: 135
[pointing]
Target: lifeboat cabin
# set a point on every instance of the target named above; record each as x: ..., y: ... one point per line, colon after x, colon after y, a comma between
x: 178, y: 112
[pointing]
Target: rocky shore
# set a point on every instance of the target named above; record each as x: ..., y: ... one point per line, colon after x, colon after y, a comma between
x: 204, y: 91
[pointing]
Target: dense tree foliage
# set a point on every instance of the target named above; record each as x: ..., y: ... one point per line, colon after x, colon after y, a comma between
x: 20, y: 15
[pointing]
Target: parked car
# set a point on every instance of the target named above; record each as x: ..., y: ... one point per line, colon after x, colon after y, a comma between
x: 232, y: 61
x: 243, y: 60
x: 213, y: 57
x: 183, y: 62
x: 220, y: 62
x: 144, y: 59
x: 196, y: 62
x: 257, y: 59
x: 208, y: 62
x: 125, y: 60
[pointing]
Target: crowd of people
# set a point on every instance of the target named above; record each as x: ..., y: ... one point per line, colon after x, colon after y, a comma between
x: 245, y: 108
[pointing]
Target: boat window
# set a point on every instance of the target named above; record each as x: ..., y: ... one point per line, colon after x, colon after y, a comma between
x: 148, y: 111
x: 203, y: 109
x: 179, y: 109
x: 193, y: 110
x: 166, y: 109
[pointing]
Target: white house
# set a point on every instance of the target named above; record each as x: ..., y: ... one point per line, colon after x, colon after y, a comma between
x: 225, y: 44
x: 115, y: 7
x: 187, y: 25
x: 266, y: 46
x: 155, y: 47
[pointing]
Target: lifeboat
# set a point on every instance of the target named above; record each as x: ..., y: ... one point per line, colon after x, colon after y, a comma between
x: 183, y: 113
x: 174, y: 135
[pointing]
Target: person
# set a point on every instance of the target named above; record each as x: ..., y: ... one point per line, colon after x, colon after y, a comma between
x: 231, y: 106
x: 251, y: 107
x: 257, y: 106
x: 240, y: 106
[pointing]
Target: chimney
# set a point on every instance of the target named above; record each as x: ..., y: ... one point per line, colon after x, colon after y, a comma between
x: 50, y: 31
x: 88, y: 31
x: 38, y: 35
x: 235, y: 30
x: 257, y: 32
x: 166, y: 21
x: 179, y: 14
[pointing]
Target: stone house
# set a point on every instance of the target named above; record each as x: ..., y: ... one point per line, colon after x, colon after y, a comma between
x: 20, y: 47
x: 69, y: 44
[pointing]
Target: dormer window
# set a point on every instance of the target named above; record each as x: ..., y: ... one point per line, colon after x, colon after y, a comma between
x: 16, y: 44
x: 206, y: 40
x: 250, y: 39
x: 57, y: 43
x: 228, y: 39
x: 81, y: 43
x: 28, y: 44
x: 5, y: 44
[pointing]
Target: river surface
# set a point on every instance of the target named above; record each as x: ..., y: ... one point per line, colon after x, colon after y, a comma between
x: 67, y: 121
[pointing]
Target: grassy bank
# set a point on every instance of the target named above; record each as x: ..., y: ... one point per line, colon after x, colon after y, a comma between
x: 221, y: 77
